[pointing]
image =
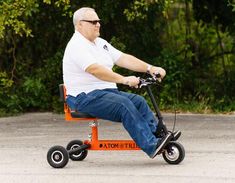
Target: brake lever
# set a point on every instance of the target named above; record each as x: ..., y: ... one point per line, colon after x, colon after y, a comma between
x: 145, y: 82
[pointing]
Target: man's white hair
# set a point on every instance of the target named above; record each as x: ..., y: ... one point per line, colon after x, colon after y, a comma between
x: 79, y: 14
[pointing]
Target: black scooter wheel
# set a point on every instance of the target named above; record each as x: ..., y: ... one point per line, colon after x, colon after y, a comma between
x: 79, y: 156
x: 57, y: 157
x: 174, y: 153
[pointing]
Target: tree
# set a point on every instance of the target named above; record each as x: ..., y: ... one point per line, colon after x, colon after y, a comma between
x: 35, y: 33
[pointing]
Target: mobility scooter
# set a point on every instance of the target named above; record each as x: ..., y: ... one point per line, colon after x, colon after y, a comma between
x: 77, y: 150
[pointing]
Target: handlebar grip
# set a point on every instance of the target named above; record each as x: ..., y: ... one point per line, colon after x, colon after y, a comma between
x: 157, y: 75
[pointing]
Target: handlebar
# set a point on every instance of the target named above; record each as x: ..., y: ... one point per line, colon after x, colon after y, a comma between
x: 149, y: 81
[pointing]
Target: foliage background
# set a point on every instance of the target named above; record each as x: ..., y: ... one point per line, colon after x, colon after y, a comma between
x: 192, y: 39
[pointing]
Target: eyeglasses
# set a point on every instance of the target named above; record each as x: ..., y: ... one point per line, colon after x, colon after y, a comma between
x: 93, y: 22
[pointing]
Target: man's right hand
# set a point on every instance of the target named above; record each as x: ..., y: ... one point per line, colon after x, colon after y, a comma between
x: 131, y: 81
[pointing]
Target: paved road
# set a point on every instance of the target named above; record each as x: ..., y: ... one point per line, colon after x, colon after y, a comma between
x: 209, y: 141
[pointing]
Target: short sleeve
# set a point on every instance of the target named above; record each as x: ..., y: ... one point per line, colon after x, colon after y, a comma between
x: 114, y: 53
x: 83, y: 59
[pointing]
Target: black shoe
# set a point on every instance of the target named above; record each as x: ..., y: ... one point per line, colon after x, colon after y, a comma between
x: 161, y: 144
x: 159, y: 134
x: 175, y: 134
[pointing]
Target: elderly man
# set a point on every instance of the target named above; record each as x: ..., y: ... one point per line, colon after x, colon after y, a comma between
x: 91, y: 83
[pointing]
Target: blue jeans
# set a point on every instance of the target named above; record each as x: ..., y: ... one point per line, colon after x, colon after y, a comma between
x: 114, y: 105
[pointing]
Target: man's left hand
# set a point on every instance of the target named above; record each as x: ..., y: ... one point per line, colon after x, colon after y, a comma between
x: 158, y: 70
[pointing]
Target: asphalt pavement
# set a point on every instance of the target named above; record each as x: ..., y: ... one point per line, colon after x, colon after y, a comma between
x: 209, y: 142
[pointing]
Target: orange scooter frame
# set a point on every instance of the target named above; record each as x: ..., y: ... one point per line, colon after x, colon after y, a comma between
x: 94, y: 143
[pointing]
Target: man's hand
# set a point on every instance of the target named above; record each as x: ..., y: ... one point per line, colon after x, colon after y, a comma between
x: 158, y: 70
x: 131, y: 81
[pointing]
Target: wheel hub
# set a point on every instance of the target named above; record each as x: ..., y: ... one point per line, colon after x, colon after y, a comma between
x: 74, y: 147
x: 172, y: 153
x: 57, y: 157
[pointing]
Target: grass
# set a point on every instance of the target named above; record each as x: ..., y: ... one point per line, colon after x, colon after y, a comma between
x: 192, y: 107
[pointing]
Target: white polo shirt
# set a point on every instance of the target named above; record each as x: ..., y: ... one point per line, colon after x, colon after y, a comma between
x: 79, y: 54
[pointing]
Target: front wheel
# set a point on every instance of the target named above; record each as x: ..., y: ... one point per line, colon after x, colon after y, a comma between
x: 57, y: 157
x: 174, y: 153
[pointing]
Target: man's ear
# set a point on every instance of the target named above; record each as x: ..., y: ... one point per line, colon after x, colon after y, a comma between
x: 78, y: 25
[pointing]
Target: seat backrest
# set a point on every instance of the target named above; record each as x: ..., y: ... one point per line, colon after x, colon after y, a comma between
x: 72, y: 115
x: 62, y: 92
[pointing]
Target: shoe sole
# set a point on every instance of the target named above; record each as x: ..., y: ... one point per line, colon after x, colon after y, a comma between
x: 162, y: 145
x: 176, y: 135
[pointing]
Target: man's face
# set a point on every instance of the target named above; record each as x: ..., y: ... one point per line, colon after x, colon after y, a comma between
x: 89, y: 26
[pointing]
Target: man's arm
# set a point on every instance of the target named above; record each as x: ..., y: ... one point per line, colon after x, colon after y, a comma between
x: 132, y: 63
x: 106, y: 74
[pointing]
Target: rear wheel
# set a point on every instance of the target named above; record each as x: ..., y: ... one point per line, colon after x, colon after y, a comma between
x: 174, y: 153
x: 57, y: 157
x: 78, y: 156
